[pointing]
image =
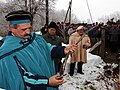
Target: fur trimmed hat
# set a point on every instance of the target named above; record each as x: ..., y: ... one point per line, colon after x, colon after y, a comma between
x: 18, y: 17
x: 79, y: 28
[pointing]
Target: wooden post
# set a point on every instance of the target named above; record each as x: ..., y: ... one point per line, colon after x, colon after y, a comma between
x: 47, y: 13
x: 66, y: 14
x: 69, y: 8
x: 102, y: 47
x: 70, y: 12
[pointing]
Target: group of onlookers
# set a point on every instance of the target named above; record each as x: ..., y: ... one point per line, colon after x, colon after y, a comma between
x: 58, y: 33
x: 112, y: 32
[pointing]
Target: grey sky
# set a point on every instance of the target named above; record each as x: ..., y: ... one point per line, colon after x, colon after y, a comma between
x: 98, y: 8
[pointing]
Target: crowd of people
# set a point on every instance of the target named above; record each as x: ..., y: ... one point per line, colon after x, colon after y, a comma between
x: 93, y: 33
x: 112, y: 32
x: 51, y: 36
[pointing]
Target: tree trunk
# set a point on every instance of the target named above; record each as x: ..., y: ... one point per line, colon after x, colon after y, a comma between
x: 47, y: 13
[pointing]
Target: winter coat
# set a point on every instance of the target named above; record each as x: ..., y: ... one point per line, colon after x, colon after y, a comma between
x: 35, y: 57
x: 80, y: 54
x: 54, y: 40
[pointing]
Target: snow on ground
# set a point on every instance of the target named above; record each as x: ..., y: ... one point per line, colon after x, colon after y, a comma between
x: 1, y: 37
x: 93, y: 78
x: 38, y: 32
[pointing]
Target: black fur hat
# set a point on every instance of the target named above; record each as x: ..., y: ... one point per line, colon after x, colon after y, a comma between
x: 53, y: 25
x: 19, y: 15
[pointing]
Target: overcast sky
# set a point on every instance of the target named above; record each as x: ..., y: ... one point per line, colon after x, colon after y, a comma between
x: 98, y: 8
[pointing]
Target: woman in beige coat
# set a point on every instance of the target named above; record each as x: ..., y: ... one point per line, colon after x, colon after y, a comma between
x: 80, y: 54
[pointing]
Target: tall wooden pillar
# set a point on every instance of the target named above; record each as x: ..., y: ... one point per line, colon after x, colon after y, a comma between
x: 102, y: 47
x: 47, y: 13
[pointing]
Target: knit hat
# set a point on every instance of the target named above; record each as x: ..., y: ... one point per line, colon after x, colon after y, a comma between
x: 52, y: 25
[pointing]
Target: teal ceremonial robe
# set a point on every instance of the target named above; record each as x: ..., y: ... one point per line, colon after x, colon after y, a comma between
x: 36, y: 58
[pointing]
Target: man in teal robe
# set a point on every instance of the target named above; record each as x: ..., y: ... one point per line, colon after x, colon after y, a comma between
x: 26, y: 59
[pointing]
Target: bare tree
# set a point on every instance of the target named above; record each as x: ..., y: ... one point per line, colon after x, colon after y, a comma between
x: 36, y: 7
x: 59, y: 15
x: 115, y: 15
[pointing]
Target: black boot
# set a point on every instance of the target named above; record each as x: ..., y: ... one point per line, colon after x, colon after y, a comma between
x: 79, y: 66
x: 72, y: 66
